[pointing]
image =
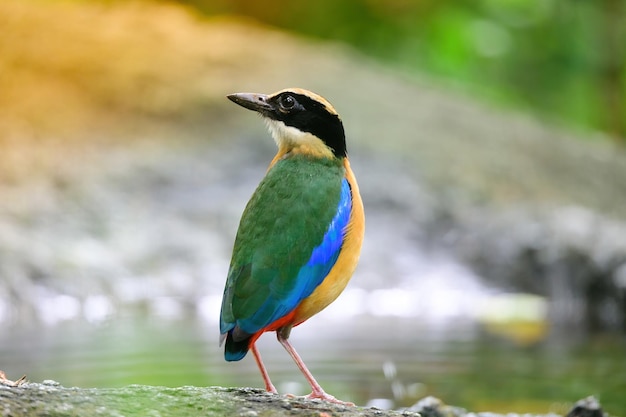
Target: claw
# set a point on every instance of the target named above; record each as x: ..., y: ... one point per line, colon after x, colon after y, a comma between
x: 8, y: 382
x: 327, y: 397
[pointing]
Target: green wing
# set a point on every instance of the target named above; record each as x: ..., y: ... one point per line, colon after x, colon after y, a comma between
x: 284, y: 221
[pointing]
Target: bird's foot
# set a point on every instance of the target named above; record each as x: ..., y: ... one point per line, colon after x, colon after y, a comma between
x: 322, y: 395
x: 9, y: 383
x: 271, y: 389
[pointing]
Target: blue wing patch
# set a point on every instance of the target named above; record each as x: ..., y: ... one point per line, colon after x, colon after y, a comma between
x: 309, y: 276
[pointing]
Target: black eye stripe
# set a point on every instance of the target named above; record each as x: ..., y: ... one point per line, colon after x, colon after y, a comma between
x: 309, y: 115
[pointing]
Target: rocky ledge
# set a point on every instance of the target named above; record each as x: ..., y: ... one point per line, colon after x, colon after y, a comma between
x: 49, y: 398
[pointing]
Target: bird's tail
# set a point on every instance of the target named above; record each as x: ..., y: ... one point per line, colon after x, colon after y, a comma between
x: 235, y: 350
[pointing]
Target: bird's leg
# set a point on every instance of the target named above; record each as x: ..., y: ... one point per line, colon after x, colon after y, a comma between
x: 269, y: 387
x: 317, y: 392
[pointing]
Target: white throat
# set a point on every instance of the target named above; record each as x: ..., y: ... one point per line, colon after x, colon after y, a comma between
x: 286, y: 135
x: 290, y: 139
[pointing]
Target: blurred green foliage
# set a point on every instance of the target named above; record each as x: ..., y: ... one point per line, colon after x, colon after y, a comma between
x: 561, y: 59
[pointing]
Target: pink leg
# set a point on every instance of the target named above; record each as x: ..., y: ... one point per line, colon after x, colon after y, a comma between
x: 318, y: 392
x: 269, y: 387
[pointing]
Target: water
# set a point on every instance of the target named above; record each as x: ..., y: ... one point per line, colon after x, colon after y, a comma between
x: 119, y: 282
x: 383, y: 360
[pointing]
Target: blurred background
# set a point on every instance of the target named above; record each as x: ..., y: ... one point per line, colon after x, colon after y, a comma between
x: 488, y: 138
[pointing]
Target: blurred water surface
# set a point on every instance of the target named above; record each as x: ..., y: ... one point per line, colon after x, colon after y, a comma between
x: 119, y: 282
x: 382, y: 360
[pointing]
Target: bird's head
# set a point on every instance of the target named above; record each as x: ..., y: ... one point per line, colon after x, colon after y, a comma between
x: 299, y: 120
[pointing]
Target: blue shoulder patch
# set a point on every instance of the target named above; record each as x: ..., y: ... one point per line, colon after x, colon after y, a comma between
x: 312, y: 274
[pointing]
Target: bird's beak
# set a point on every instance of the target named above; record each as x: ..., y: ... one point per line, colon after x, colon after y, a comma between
x: 252, y: 101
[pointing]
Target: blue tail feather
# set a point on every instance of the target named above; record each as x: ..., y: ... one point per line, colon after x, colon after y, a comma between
x: 235, y: 350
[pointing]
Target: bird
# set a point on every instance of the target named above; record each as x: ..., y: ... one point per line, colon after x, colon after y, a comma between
x: 300, y: 235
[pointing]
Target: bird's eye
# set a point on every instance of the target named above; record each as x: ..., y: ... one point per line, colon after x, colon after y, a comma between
x: 287, y: 102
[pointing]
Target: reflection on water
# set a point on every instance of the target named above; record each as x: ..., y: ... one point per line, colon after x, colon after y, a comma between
x: 378, y: 359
